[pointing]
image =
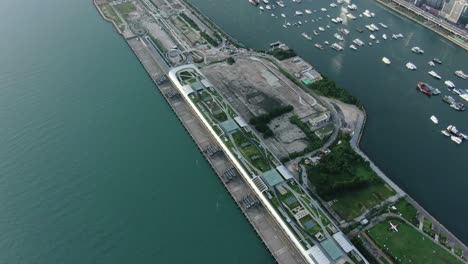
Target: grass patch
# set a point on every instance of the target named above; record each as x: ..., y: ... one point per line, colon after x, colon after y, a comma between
x: 109, y: 12
x: 125, y: 8
x: 351, y: 204
x: 314, y: 141
x: 409, y: 245
x: 407, y: 211
x: 250, y: 151
x: 427, y: 227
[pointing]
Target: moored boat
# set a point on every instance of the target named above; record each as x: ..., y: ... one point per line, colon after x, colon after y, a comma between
x: 411, y: 66
x: 434, y: 119
x: 253, y: 2
x: 461, y: 74
x: 319, y: 46
x: 449, y: 84
x: 384, y: 36
x: 298, y: 13
x: 353, y: 47
x: 436, y: 60
x: 386, y: 60
x: 434, y: 74
x: 424, y: 88
x: 431, y: 63
x: 383, y: 25
x: 445, y: 133
x: 338, y: 36
x: 306, y: 36
x: 337, y: 47
x: 416, y: 50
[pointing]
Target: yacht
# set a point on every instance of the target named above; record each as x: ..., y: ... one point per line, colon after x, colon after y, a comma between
x: 298, y: 13
x: 338, y: 36
x: 383, y: 25
x: 326, y: 43
x: 456, y: 139
x: 431, y: 63
x: 371, y: 36
x: 319, y: 46
x: 434, y: 119
x: 345, y: 31
x: 370, y: 28
x: 384, y: 36
x: 461, y: 74
x: 306, y: 36
x: 336, y: 47
x: 334, y: 21
x: 280, y: 3
x: 374, y: 27
x: 353, y: 47
x: 339, y: 19
x: 323, y: 9
x: 283, y: 15
x: 333, y: 5
x: 416, y: 50
x: 266, y: 2
x: 261, y: 8
x: 308, y: 11
x: 268, y: 7
x: 411, y: 66
x: 436, y: 60
x: 445, y: 133
x: 358, y: 42
x: 449, y: 84
x: 316, y: 33
x: 349, y: 15
x: 386, y: 60
x: 434, y: 74
x: 321, y: 29
x: 352, y: 7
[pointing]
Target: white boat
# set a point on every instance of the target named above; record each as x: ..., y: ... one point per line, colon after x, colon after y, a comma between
x: 401, y: 36
x: 434, y: 119
x: 358, y: 42
x: 411, y: 66
x: 338, y: 36
x: 326, y: 43
x: 299, y: 22
x: 333, y: 5
x: 288, y: 23
x: 445, y: 133
x: 285, y: 26
x: 349, y: 15
x: 334, y: 21
x: 386, y: 60
x: 384, y: 36
x: 431, y: 63
x: 383, y: 25
x: 449, y: 84
x: 321, y: 29
x: 456, y: 139
x: 434, y: 74
x: 377, y: 42
x: 268, y: 7
x: 416, y: 50
x: 328, y: 26
x: 370, y: 44
x: 461, y: 74
x: 283, y: 15
x: 345, y: 31
x: 339, y: 1
x: 372, y: 14
x: 371, y: 36
x: 261, y: 8
x: 298, y: 13
x: 336, y: 47
x: 266, y: 2
x: 323, y: 9
x: 352, y: 7
x: 370, y: 28
x: 366, y: 13
x: 374, y: 26
x: 308, y: 11
x: 316, y: 33
x: 339, y: 19
x: 328, y: 16
x: 306, y: 36
x: 353, y: 47
x: 280, y: 3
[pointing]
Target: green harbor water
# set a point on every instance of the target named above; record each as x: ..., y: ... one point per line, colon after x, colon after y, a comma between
x: 399, y: 136
x: 94, y: 166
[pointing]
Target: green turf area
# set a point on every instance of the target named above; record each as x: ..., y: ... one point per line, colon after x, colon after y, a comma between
x: 407, y: 211
x: 409, y: 245
x: 427, y: 227
x: 250, y: 151
x: 125, y: 8
x: 350, y: 204
x: 110, y: 14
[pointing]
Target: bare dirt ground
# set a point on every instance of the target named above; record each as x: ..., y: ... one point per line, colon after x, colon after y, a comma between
x: 350, y: 113
x: 255, y: 87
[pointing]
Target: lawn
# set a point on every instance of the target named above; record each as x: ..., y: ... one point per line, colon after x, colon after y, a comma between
x: 409, y: 245
x: 110, y: 13
x: 350, y: 204
x: 407, y: 211
x: 249, y: 151
x: 125, y: 8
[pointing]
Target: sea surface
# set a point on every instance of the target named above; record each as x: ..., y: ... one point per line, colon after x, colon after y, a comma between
x: 94, y: 166
x: 399, y: 136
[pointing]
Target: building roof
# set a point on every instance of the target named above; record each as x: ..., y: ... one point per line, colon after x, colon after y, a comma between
x: 343, y: 242
x: 272, y: 177
x: 240, y: 121
x: 318, y: 255
x: 229, y: 125
x: 331, y: 248
x: 284, y: 172
x: 187, y: 89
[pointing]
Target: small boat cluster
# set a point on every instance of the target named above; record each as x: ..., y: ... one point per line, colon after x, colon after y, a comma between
x: 454, y: 134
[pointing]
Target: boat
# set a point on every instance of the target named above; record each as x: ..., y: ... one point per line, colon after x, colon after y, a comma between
x: 339, y: 1
x: 345, y: 31
x: 349, y: 15
x: 336, y: 47
x: 321, y: 29
x: 353, y: 47
x: 360, y: 30
x: 283, y: 15
x: 298, y: 13
x: 306, y: 36
x: 416, y: 50
x: 461, y: 74
x: 377, y: 41
x: 333, y: 5
x: 299, y: 22
x: 328, y: 16
x: 456, y: 139
x: 358, y: 42
x: 261, y: 8
x: 285, y: 26
x: 448, y: 99
x: 268, y: 7
x: 338, y: 36
x: 449, y: 84
x: 352, y: 7
x: 434, y: 74
x: 374, y: 27
x: 253, y: 2
x: 339, y: 19
x: 454, y: 132
x: 288, y: 23
x: 458, y: 106
x: 371, y: 36
x: 372, y: 14
x: 319, y: 46
x: 424, y: 88
x: 434, y: 119
x: 370, y: 28
x: 435, y: 91
x: 280, y: 3
x: 334, y: 21
x: 394, y: 36
x: 323, y: 9
x: 370, y: 44
x: 326, y: 43
x: 384, y: 36
x: 266, y: 2
x: 445, y: 133
x: 308, y: 11
x: 431, y: 63
x: 411, y: 66
x: 383, y: 25
x: 401, y: 36
x: 316, y: 33
x: 367, y: 13
x: 436, y: 60
x: 386, y: 60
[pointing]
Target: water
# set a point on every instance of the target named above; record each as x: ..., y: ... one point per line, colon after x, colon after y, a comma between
x: 399, y: 137
x: 94, y: 166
